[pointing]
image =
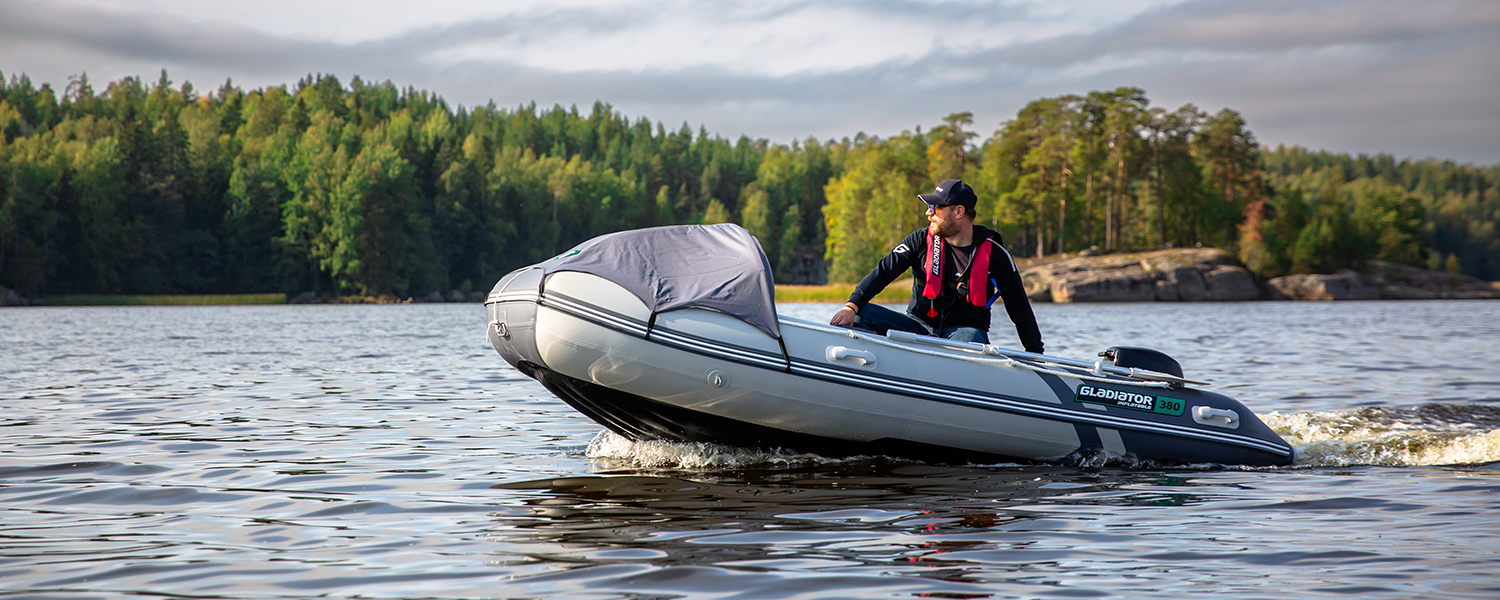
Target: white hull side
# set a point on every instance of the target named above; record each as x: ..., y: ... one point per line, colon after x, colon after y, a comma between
x: 770, y: 396
x: 700, y: 375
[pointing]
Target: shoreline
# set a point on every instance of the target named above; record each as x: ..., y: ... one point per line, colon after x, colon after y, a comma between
x: 1156, y: 276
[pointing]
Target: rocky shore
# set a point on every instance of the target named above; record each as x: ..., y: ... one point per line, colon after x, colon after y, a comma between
x: 1212, y: 274
x: 9, y: 297
x: 1380, y: 280
x: 1176, y: 275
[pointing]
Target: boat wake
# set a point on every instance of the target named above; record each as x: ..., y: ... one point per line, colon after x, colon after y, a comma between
x: 1424, y: 435
x: 609, y: 450
x: 1427, y: 434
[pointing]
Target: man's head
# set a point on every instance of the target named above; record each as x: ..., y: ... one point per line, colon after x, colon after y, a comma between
x: 950, y: 207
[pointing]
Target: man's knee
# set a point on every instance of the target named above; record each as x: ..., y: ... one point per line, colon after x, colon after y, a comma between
x: 881, y: 320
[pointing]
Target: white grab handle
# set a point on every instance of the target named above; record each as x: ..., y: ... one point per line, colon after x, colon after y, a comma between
x: 839, y: 353
x: 1218, y: 417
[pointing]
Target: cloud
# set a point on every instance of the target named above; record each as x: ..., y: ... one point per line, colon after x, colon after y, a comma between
x: 1411, y: 79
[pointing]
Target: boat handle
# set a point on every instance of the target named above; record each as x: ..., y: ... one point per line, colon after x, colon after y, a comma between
x: 1218, y: 417
x: 865, y: 357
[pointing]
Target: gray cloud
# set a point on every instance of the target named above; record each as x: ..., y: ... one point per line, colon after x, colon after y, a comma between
x: 1413, y: 79
x: 1273, y: 26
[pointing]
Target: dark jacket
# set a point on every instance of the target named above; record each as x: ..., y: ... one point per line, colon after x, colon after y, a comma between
x: 953, y: 310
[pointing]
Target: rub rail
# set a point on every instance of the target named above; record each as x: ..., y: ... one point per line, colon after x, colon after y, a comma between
x: 992, y: 350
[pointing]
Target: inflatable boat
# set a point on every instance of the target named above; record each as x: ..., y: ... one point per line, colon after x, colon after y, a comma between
x: 671, y: 333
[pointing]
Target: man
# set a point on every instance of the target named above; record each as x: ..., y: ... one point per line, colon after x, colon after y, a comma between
x: 959, y: 269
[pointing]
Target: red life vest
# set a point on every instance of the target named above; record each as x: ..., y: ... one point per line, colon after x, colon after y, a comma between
x: 979, y: 273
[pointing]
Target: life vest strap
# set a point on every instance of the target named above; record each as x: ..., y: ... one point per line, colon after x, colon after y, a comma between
x: 979, y: 274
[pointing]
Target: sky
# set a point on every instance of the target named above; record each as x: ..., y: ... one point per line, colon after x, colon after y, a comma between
x: 1414, y: 79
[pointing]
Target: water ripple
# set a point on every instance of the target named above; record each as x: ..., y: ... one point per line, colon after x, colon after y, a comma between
x: 386, y: 452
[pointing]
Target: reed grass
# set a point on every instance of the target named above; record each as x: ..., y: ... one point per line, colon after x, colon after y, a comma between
x: 166, y: 300
x: 897, y: 292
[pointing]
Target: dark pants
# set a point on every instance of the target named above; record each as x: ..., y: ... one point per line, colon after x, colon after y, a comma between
x: 880, y: 319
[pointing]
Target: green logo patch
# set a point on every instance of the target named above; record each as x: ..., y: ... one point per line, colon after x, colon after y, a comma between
x: 1130, y: 400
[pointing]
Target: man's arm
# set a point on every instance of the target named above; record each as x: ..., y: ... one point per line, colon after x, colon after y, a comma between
x: 1017, y: 305
x: 887, y: 270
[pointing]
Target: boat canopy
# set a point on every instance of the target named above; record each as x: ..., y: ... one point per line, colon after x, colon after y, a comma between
x: 719, y: 267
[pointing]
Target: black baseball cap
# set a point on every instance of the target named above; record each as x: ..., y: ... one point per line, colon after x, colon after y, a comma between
x: 951, y: 191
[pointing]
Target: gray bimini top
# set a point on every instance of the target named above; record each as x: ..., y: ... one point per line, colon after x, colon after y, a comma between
x: 719, y: 267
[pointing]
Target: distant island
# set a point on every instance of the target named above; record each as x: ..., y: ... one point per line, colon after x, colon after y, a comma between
x: 325, y: 191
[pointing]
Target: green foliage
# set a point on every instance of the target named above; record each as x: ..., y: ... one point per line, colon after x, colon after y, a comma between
x: 361, y: 188
x: 1414, y: 212
x: 364, y: 188
x: 1271, y: 230
x: 1230, y: 159
x: 1327, y: 242
x: 1109, y: 170
x: 783, y: 205
x: 1390, y: 220
x: 873, y: 204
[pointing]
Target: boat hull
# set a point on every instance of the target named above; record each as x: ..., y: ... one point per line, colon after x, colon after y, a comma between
x: 698, y: 375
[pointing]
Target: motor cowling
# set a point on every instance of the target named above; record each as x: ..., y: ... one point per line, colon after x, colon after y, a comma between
x: 1142, y: 358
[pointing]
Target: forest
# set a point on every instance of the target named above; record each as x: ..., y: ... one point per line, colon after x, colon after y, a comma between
x: 372, y: 190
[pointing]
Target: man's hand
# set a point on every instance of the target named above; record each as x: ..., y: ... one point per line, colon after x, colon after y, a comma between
x: 844, y: 317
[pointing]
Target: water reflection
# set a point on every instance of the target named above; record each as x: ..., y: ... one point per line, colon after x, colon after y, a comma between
x: 875, y: 529
x: 854, y: 527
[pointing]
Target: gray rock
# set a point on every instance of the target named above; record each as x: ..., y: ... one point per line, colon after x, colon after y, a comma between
x: 1380, y: 280
x: 477, y: 296
x: 9, y: 297
x: 303, y: 298
x: 455, y: 296
x: 1189, y: 284
x: 1400, y: 282
x: 1167, y: 291
x: 1125, y: 285
x: 1191, y: 274
x: 1346, y: 284
x: 1229, y: 283
x: 433, y: 297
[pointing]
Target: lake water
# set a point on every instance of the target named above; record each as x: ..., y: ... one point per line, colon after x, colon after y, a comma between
x: 388, y: 452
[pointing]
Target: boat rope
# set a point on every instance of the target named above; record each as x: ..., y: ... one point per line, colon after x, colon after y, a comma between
x: 1001, y: 360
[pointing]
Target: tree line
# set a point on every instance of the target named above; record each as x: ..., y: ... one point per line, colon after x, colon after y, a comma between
x: 369, y: 189
x: 1325, y: 211
x: 1108, y: 171
x: 1103, y: 170
x: 358, y: 189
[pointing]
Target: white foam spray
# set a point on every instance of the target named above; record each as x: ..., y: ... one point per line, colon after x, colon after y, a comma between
x: 1429, y: 434
x: 1425, y: 435
x: 613, y: 451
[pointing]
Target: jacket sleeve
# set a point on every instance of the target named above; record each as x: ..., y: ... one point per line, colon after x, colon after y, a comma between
x: 901, y: 259
x: 1017, y: 305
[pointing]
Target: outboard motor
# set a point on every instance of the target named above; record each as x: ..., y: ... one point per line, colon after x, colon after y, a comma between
x: 1142, y: 358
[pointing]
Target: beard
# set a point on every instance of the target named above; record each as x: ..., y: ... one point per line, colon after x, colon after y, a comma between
x: 944, y: 228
